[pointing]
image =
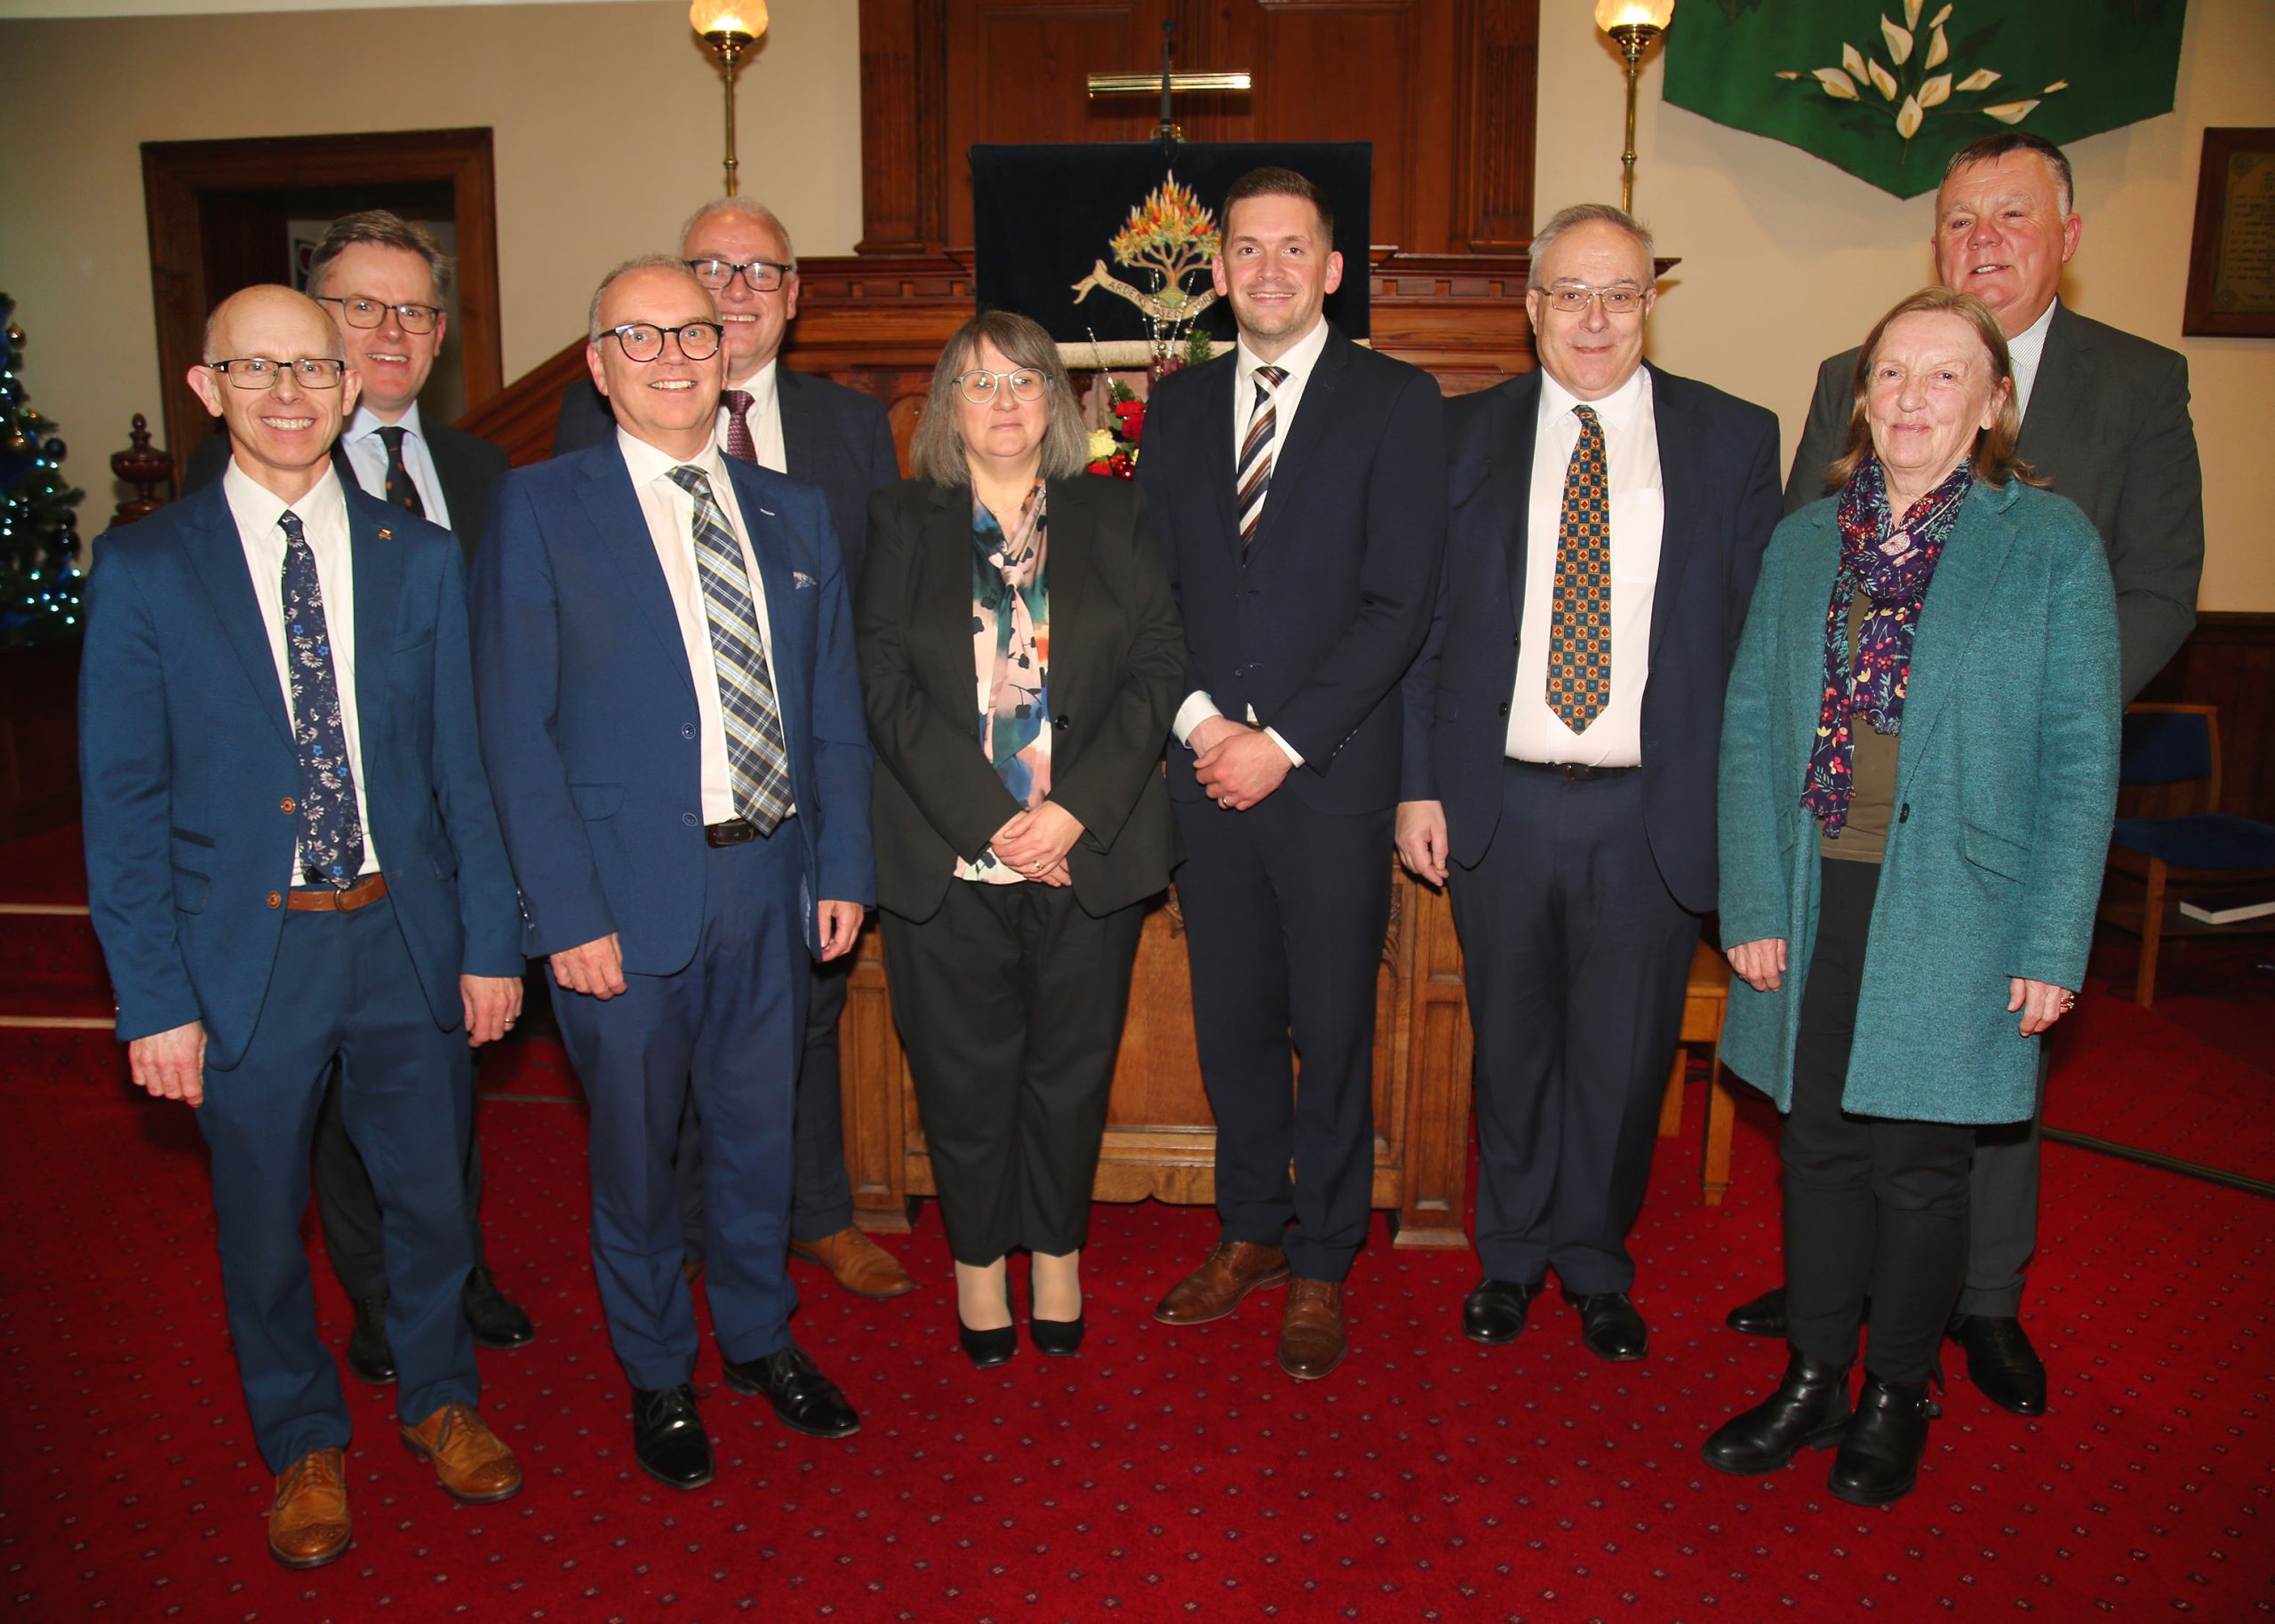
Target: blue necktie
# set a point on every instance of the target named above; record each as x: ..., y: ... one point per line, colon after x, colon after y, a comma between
x: 758, y: 760
x: 332, y: 831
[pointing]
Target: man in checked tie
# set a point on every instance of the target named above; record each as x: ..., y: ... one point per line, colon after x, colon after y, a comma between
x: 1608, y: 520
x: 293, y: 865
x: 670, y: 709
x: 1297, y: 488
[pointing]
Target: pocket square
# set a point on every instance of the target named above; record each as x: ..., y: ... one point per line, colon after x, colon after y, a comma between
x: 800, y: 580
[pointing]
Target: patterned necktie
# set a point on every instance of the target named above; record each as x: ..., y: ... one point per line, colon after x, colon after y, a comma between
x: 1579, y: 623
x: 740, y: 444
x: 331, y: 829
x: 758, y: 760
x: 1253, y: 475
x: 400, y: 489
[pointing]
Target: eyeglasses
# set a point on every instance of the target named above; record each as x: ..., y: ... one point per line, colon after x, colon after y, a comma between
x: 1572, y: 298
x: 982, y: 388
x: 258, y: 373
x: 644, y: 340
x: 359, y: 312
x: 761, y: 276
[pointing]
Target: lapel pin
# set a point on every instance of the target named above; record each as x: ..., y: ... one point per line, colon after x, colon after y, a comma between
x: 387, y: 535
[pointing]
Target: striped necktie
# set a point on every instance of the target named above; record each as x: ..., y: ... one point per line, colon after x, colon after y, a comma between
x: 1253, y: 475
x: 758, y: 760
x: 1579, y: 615
x: 400, y: 490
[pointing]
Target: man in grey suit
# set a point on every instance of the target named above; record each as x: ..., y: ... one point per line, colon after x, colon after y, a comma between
x: 2105, y: 419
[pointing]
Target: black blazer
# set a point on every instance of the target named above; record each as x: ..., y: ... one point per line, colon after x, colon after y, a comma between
x: 1116, y: 669
x: 837, y: 438
x: 467, y: 466
x: 1315, y: 625
x: 1717, y: 463
x: 2108, y: 424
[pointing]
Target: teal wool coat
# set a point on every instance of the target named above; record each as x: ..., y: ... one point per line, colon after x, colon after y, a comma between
x: 2006, y: 785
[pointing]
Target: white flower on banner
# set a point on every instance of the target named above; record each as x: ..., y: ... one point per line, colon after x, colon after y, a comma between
x: 1908, y: 81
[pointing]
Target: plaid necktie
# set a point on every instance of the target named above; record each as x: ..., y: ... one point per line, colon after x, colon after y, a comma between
x: 758, y: 760
x: 1579, y: 622
x: 400, y: 489
x: 331, y: 829
x: 1252, y: 476
x: 740, y: 444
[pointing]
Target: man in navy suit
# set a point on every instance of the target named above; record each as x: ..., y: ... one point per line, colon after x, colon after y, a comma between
x: 1609, y: 521
x: 670, y: 709
x: 293, y: 862
x: 384, y: 280
x: 1296, y: 486
x: 822, y: 433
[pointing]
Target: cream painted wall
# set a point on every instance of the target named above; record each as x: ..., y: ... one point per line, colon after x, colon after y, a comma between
x: 1785, y: 258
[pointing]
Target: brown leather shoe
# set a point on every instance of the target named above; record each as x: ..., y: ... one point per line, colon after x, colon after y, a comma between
x: 1311, y: 1337
x: 469, y: 1458
x: 1215, y: 1289
x: 308, y: 1521
x: 858, y: 1263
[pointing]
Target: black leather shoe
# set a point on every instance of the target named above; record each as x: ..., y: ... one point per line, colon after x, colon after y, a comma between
x: 2000, y: 1362
x: 988, y: 1348
x: 1609, y: 1325
x: 804, y: 1399
x: 495, y: 1319
x: 1494, y: 1311
x: 369, y: 1357
x: 1881, y: 1448
x: 1809, y: 1410
x: 1058, y: 1338
x: 1763, y: 1316
x: 667, y: 1436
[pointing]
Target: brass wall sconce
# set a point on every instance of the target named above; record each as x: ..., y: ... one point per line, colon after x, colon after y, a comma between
x: 1632, y: 25
x: 730, y: 27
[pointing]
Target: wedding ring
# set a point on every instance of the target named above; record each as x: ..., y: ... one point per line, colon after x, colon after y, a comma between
x: 1224, y: 801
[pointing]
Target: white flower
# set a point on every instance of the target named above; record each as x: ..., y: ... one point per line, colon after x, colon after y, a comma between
x: 2059, y: 84
x: 1101, y: 445
x: 1837, y: 85
x: 1981, y: 79
x: 1939, y: 49
x: 1883, y: 81
x: 1936, y: 91
x: 1940, y: 18
x: 1911, y: 13
x: 1899, y: 41
x: 2011, y: 112
x: 1853, y: 60
x: 1909, y: 117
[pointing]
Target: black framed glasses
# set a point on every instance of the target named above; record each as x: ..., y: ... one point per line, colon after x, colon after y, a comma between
x: 982, y: 388
x: 759, y: 275
x: 357, y: 311
x: 259, y: 372
x: 644, y: 340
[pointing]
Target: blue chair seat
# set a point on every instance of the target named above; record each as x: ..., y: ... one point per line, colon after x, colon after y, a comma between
x: 2208, y: 840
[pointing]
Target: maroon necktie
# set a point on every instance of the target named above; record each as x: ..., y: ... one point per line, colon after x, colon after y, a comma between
x: 740, y: 444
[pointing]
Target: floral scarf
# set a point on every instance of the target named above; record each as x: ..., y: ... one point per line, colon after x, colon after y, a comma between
x: 1891, y: 564
x: 1010, y: 645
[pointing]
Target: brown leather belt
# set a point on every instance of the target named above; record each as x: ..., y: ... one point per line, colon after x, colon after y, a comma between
x: 327, y: 899
x: 1573, y: 772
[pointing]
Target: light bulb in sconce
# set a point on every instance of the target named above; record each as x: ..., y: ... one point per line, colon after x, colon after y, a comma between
x: 1633, y: 14
x: 732, y: 17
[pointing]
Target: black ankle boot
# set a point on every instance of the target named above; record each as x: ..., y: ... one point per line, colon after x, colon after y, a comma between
x: 1879, y: 1461
x: 1809, y: 1410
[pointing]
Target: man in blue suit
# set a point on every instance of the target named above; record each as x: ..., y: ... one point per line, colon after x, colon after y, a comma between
x: 293, y: 861
x: 822, y: 433
x: 1563, y: 723
x: 663, y: 653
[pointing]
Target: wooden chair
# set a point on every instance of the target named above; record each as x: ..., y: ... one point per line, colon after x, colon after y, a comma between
x: 2175, y: 837
x: 1706, y: 1001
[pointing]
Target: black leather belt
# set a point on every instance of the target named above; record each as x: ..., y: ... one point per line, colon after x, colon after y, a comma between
x: 734, y: 831
x: 1572, y: 772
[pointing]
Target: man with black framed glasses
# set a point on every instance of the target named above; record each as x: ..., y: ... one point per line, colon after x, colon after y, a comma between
x: 822, y: 433
x: 670, y: 712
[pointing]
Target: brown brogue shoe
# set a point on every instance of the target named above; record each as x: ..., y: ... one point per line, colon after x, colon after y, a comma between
x: 1311, y: 1337
x: 470, y: 1460
x: 308, y: 1521
x: 856, y: 1262
x: 1215, y: 1289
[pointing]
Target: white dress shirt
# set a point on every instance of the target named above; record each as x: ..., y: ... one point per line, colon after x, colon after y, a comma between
x: 323, y: 513
x: 764, y: 417
x: 367, y: 454
x: 1631, y: 445
x: 670, y: 513
x: 2026, y: 349
x: 1299, y: 362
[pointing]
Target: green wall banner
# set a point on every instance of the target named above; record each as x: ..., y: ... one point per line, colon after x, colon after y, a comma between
x: 1888, y: 89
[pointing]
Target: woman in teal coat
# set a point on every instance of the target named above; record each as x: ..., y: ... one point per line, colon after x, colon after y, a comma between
x: 1918, y: 770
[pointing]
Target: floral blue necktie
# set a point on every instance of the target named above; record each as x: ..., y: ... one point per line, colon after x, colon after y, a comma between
x: 331, y: 829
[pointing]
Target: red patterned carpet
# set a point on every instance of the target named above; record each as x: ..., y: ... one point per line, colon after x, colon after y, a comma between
x: 1163, y: 1474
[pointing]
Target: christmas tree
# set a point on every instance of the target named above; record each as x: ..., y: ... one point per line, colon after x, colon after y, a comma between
x: 39, y: 528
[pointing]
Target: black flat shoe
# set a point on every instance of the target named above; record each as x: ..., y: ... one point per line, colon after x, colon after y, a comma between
x: 1809, y: 1410
x: 1609, y: 1325
x: 804, y: 1400
x: 1879, y: 1462
x: 369, y: 1357
x: 2000, y: 1362
x: 1762, y: 1316
x: 667, y: 1436
x: 496, y: 1320
x: 1494, y: 1311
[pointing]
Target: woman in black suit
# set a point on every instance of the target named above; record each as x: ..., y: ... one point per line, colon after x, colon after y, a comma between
x: 1021, y: 659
